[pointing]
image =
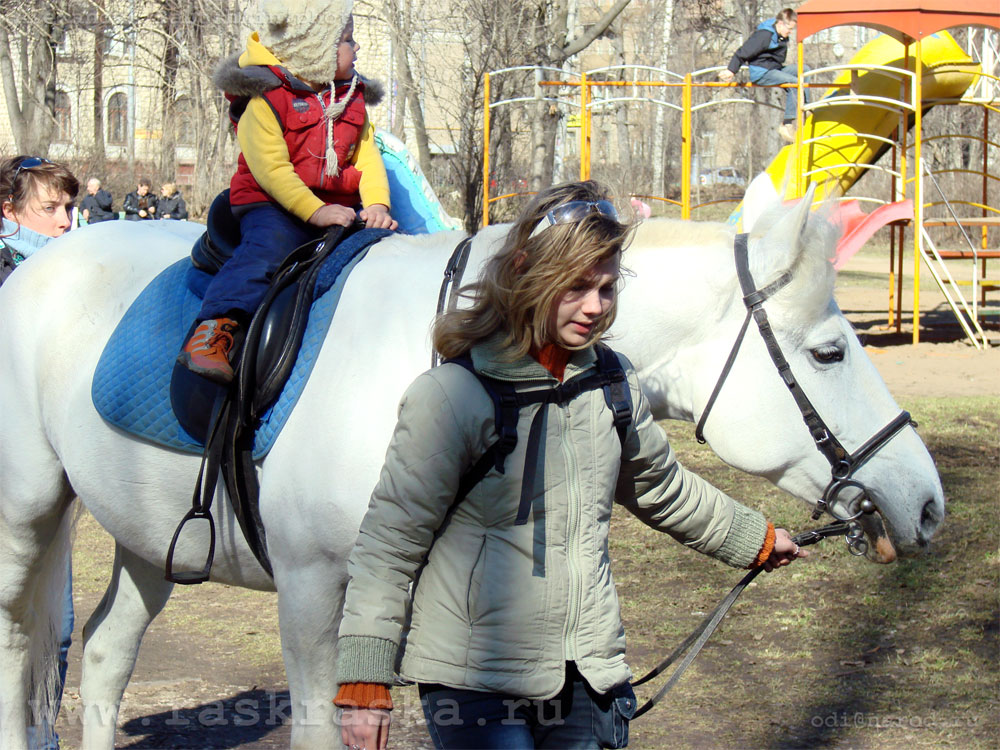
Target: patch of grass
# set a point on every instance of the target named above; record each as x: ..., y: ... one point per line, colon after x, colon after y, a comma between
x: 835, y: 652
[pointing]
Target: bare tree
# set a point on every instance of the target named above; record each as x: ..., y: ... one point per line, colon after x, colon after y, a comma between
x: 403, y: 20
x: 556, y: 40
x: 30, y: 30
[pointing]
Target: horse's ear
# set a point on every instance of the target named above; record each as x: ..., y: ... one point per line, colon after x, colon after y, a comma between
x: 759, y: 198
x: 782, y: 242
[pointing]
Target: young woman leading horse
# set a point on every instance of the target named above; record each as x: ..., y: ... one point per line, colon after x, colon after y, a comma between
x: 516, y: 638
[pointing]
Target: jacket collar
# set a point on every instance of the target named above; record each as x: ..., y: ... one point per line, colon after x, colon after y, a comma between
x: 489, y: 358
x: 22, y: 240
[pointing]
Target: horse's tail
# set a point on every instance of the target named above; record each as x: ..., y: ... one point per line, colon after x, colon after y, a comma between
x: 45, y: 620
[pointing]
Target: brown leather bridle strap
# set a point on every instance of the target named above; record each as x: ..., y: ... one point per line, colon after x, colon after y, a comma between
x: 842, y: 463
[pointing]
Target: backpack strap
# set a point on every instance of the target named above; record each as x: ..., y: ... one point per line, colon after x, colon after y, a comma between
x: 507, y: 403
x: 617, y: 393
x: 506, y: 410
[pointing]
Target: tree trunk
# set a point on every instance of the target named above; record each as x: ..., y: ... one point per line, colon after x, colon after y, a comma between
x: 416, y: 114
x: 401, y: 29
x: 545, y: 128
x: 99, y: 30
x: 659, y: 149
x: 14, y: 113
x: 621, y: 117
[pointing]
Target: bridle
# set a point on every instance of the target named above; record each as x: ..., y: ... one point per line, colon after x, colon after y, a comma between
x: 843, y: 464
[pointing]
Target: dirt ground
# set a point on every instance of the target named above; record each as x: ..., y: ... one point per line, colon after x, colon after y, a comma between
x: 210, y: 673
x: 943, y: 364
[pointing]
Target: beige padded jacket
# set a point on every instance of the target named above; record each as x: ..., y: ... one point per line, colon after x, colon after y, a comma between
x: 497, y: 606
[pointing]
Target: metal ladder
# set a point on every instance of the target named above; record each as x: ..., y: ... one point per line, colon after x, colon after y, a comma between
x: 968, y: 317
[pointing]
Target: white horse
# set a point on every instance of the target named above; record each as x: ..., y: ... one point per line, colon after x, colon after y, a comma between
x: 679, y: 315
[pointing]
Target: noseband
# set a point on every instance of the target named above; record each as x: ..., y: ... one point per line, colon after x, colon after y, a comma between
x: 843, y: 465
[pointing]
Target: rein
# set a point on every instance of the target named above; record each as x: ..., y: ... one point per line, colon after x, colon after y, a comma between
x: 697, y: 639
x: 843, y: 465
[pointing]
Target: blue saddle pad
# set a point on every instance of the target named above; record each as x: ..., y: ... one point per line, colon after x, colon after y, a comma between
x: 131, y: 387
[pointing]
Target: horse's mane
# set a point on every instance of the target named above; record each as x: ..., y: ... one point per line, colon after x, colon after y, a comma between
x: 806, y: 296
x: 678, y: 233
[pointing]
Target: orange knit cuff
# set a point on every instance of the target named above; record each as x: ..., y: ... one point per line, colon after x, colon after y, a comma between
x: 767, y: 549
x: 363, y: 695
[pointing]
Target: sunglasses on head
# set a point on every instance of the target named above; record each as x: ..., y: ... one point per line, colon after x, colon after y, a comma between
x: 567, y: 213
x: 30, y: 163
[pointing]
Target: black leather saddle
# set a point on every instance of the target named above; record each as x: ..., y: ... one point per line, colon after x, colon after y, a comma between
x: 226, y: 418
x: 221, y: 237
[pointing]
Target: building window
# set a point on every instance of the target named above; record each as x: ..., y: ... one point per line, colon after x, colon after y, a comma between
x: 116, y: 41
x: 117, y: 119
x: 63, y: 117
x: 62, y: 46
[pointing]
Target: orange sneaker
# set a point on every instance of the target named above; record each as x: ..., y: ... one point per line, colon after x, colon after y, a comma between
x: 207, y: 351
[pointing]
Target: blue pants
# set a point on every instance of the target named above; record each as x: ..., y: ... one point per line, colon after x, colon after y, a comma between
x: 44, y: 737
x: 778, y: 76
x: 268, y: 235
x: 576, y: 718
x: 66, y: 634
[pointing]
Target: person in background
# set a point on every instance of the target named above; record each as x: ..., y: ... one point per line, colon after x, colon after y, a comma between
x: 140, y: 204
x: 96, y: 204
x: 506, y: 598
x: 764, y: 53
x: 38, y: 204
x: 171, y: 203
x: 37, y: 207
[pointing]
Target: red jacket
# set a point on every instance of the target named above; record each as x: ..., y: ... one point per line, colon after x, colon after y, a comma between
x: 302, y: 123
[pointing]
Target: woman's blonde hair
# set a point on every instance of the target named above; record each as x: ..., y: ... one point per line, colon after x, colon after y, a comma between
x: 521, y: 284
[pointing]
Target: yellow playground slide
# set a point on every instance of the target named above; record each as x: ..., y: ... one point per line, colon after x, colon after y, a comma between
x: 848, y: 128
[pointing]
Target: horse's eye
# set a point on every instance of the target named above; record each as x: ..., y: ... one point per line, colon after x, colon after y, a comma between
x: 828, y: 354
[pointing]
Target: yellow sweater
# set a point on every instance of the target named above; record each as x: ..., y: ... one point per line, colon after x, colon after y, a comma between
x: 266, y: 152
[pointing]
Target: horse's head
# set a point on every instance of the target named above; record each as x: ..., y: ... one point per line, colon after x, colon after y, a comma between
x: 680, y: 318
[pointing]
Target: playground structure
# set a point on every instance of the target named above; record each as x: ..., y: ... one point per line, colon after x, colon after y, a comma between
x: 869, y: 117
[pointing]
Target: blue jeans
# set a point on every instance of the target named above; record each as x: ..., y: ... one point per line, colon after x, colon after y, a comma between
x: 44, y: 737
x: 576, y: 718
x: 268, y: 235
x: 778, y: 76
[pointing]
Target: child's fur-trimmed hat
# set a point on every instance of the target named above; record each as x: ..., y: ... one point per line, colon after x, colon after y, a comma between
x: 303, y: 34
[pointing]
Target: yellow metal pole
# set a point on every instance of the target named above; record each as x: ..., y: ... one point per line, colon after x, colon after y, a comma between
x: 584, y: 128
x: 918, y: 197
x: 894, y: 195
x: 686, y: 148
x: 486, y: 150
x: 800, y: 187
x: 907, y: 96
x: 984, y: 230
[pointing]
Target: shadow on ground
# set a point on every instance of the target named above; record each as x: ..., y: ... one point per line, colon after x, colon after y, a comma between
x: 242, y: 720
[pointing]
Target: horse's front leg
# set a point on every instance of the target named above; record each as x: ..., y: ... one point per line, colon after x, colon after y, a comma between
x: 310, y: 604
x: 111, y: 638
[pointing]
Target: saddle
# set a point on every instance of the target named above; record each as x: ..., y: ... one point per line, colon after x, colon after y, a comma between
x: 226, y: 418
